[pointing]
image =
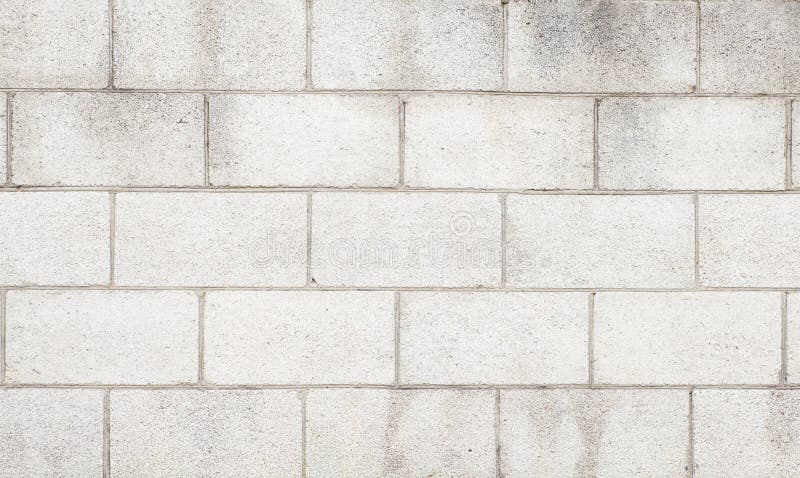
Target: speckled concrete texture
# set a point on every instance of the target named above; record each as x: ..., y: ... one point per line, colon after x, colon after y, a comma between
x: 399, y: 238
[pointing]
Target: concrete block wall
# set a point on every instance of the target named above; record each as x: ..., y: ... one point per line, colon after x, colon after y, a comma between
x: 400, y: 238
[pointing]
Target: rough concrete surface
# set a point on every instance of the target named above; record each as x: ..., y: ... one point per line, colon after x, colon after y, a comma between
x: 613, y: 46
x: 224, y: 45
x: 687, y: 337
x: 794, y: 126
x: 488, y: 337
x: 51, y: 432
x: 210, y: 239
x: 309, y: 140
x: 290, y: 337
x: 602, y: 433
x: 397, y: 44
x: 139, y: 337
x: 54, y: 44
x: 208, y: 433
x: 689, y: 143
x: 793, y: 338
x: 405, y: 239
x: 750, y: 46
x: 3, y: 135
x: 394, y: 434
x: 751, y: 433
x: 91, y: 139
x: 749, y: 240
x: 600, y: 241
x: 54, y: 238
x: 498, y: 142
x: 400, y: 238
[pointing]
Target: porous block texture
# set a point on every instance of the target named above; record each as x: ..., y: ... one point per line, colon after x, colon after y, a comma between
x: 400, y: 238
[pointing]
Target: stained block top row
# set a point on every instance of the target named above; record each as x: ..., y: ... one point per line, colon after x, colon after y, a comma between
x: 549, y: 46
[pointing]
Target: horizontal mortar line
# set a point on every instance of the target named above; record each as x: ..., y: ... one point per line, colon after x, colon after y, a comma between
x: 392, y: 189
x: 357, y: 288
x: 568, y: 386
x: 588, y: 94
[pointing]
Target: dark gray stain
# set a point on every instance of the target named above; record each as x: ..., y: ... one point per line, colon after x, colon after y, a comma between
x: 211, y: 16
x: 591, y: 412
x: 782, y: 425
x: 395, y: 462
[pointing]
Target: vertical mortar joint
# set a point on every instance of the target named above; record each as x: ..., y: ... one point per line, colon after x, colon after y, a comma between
x: 503, y: 241
x: 9, y: 178
x: 498, y: 474
x: 309, y: 206
x: 784, y: 371
x: 112, y: 235
x: 396, y: 338
x: 504, y: 64
x: 206, y: 143
x: 788, y: 144
x: 303, y: 396
x: 596, y: 145
x: 201, y: 339
x: 696, y: 201
x: 690, y: 445
x: 696, y: 88
x: 3, y: 299
x: 590, y: 339
x: 107, y: 433
x: 401, y: 178
x: 309, y: 18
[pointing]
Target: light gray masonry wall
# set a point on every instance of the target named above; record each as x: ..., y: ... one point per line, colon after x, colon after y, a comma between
x: 400, y: 238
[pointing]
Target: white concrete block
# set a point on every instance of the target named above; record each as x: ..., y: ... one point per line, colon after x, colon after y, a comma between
x: 405, y: 239
x: 488, y: 337
x: 515, y: 142
x: 205, y: 44
x: 749, y: 240
x: 206, y: 433
x: 99, y: 139
x: 210, y: 239
x: 793, y: 338
x: 54, y: 44
x: 94, y: 336
x: 795, y: 144
x: 692, y: 143
x: 304, y: 140
x: 291, y: 337
x: 608, y: 46
x: 598, y: 433
x: 600, y: 241
x: 407, y: 45
x: 750, y: 46
x: 54, y: 238
x: 397, y: 434
x: 657, y: 338
x: 51, y: 433
x: 750, y: 433
x: 3, y: 136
